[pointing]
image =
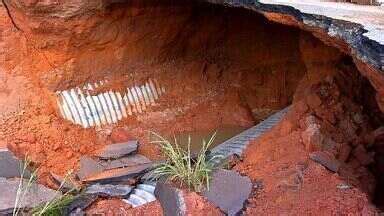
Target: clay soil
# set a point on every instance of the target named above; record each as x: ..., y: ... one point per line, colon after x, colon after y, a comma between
x: 221, y: 89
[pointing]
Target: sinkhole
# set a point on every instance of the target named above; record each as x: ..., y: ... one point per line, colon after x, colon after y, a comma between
x: 192, y: 68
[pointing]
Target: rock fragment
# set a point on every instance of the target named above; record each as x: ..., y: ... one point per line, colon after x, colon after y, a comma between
x: 326, y: 159
x: 88, y: 167
x: 171, y: 199
x: 79, y: 203
x: 312, y: 138
x: 10, y: 166
x: 67, y: 184
x: 109, y: 190
x: 119, y: 174
x: 228, y: 190
x: 34, y: 195
x: 131, y: 160
x: 344, y: 153
x: 117, y: 150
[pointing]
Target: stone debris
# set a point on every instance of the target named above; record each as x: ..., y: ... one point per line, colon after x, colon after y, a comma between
x: 131, y: 160
x: 35, y: 195
x: 171, y: 199
x: 118, y: 174
x: 109, y: 190
x: 344, y: 153
x: 67, y: 185
x: 91, y: 167
x: 117, y: 150
x: 79, y: 204
x: 10, y: 166
x: 326, y: 159
x: 88, y: 167
x: 228, y: 190
x: 312, y: 138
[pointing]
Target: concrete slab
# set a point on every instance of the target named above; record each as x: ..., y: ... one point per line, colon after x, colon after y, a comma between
x: 171, y: 199
x: 79, y: 203
x: 34, y: 195
x: 109, y: 190
x: 371, y: 17
x: 130, y: 160
x: 228, y: 190
x: 88, y: 167
x: 10, y: 165
x: 118, y: 174
x: 118, y: 150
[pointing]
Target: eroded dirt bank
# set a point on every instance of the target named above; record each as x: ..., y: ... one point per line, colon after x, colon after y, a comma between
x: 219, y: 66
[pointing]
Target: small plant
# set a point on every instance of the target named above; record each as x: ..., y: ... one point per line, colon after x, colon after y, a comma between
x: 181, y: 167
x: 53, y: 207
x: 58, y: 203
x: 23, y: 187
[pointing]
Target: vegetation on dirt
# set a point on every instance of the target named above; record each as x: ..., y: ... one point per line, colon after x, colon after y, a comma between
x: 52, y: 207
x: 24, y: 186
x: 182, y: 166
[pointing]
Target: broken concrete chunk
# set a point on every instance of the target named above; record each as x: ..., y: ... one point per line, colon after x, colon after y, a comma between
x: 79, y: 203
x: 88, y: 167
x: 228, y: 190
x: 35, y: 195
x: 66, y: 184
x: 109, y: 190
x: 117, y: 150
x: 130, y: 160
x: 326, y: 159
x: 362, y: 155
x: 118, y: 174
x: 10, y: 166
x: 171, y: 199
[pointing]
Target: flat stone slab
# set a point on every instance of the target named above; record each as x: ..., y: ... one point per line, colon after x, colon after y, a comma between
x: 79, y: 203
x: 326, y: 159
x: 117, y: 150
x: 88, y: 167
x: 171, y: 199
x: 35, y: 195
x: 116, y: 174
x: 228, y: 190
x: 11, y: 166
x: 91, y: 167
x: 109, y: 190
x: 68, y: 184
x: 130, y: 160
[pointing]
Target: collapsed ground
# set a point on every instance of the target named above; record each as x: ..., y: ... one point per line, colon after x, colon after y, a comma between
x: 220, y: 66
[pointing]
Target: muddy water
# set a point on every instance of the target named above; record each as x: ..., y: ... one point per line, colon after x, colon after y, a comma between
x: 223, y: 133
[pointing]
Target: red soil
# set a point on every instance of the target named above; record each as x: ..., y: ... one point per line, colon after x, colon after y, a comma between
x: 218, y: 66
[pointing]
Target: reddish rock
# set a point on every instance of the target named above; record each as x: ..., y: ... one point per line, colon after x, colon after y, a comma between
x: 344, y: 152
x: 312, y: 138
x: 354, y: 163
x: 300, y: 107
x: 326, y: 159
x: 348, y: 128
x: 362, y: 155
x: 313, y: 100
x: 330, y: 146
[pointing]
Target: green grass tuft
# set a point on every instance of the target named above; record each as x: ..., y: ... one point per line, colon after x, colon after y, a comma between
x: 180, y: 167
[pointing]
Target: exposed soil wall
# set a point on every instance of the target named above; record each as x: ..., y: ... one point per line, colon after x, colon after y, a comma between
x: 219, y: 66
